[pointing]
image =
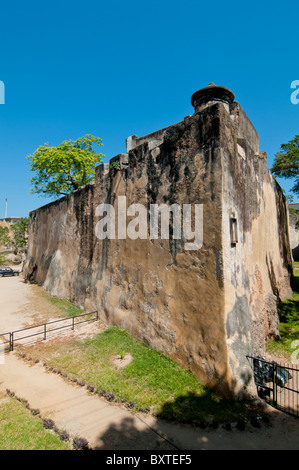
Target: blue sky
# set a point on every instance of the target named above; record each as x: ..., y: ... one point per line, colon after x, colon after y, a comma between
x: 114, y: 69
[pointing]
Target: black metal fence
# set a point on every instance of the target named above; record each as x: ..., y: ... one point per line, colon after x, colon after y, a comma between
x: 277, y: 383
x: 8, y: 340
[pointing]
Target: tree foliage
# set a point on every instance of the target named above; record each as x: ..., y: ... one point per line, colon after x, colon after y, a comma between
x: 3, y: 259
x: 15, y: 238
x: 20, y: 235
x: 4, y: 236
x: 286, y: 162
x: 62, y: 169
x: 4, y: 239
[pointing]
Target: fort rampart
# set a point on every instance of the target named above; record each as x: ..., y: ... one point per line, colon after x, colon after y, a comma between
x: 207, y: 308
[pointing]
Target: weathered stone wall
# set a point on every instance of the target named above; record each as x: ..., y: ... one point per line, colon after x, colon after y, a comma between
x: 258, y: 267
x: 171, y: 298
x: 294, y: 234
x: 205, y: 307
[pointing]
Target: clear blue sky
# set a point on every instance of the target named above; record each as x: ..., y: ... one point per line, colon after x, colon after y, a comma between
x: 114, y: 69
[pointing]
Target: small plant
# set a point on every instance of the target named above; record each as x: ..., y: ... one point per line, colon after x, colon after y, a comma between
x: 48, y: 423
x: 110, y: 397
x: 80, y: 444
x: 115, y: 165
x: 25, y: 402
x: 131, y: 405
x: 122, y: 354
x: 64, y: 435
x: 144, y: 410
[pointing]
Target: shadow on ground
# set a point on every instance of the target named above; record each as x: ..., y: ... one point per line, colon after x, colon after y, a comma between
x: 125, y: 436
x: 280, y: 434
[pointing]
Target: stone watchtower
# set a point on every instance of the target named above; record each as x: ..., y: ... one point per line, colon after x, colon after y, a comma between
x: 210, y: 95
x: 209, y: 307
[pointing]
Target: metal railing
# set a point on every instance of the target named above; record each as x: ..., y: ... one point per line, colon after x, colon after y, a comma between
x: 45, y: 329
x: 277, y: 383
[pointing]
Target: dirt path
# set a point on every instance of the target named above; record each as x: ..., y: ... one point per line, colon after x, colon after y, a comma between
x: 15, y: 301
x: 108, y: 426
x: 21, y: 306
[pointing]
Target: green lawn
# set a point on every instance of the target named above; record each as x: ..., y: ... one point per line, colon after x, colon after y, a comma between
x: 150, y: 382
x: 289, y: 323
x: 20, y: 430
x: 63, y: 306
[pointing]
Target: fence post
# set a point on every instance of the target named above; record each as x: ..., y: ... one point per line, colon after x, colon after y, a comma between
x: 2, y: 352
x: 45, y: 331
x: 11, y: 341
x: 274, y: 386
x: 73, y: 327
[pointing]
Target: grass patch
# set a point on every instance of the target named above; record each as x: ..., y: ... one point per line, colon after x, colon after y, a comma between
x: 20, y: 430
x: 289, y: 322
x: 151, y: 381
x: 63, y: 306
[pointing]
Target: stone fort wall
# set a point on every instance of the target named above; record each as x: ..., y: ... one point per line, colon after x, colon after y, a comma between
x: 206, y: 308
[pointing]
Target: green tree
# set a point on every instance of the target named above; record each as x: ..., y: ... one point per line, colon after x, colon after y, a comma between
x: 4, y: 236
x: 4, y: 239
x: 20, y: 235
x: 3, y: 258
x: 63, y: 169
x: 286, y: 162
